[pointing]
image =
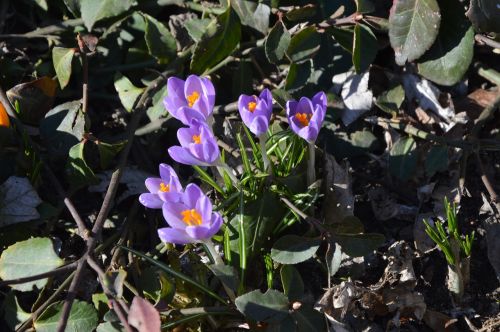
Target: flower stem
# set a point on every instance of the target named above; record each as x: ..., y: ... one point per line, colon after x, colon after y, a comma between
x: 311, y: 171
x: 263, y: 151
x: 213, y: 252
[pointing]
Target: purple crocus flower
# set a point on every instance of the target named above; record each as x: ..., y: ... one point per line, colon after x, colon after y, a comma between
x: 306, y: 116
x: 165, y: 188
x: 191, y: 219
x: 190, y: 99
x: 256, y: 111
x: 198, y: 146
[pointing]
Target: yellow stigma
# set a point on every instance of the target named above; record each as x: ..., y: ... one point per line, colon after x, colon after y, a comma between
x: 192, y: 98
x: 251, y: 106
x: 191, y: 217
x: 197, y: 139
x: 164, y: 187
x: 303, y: 118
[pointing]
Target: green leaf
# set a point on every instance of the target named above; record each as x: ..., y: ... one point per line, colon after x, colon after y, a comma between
x: 62, y: 128
x: 29, y: 258
x: 80, y: 174
x: 281, y: 97
x: 219, y: 40
x: 403, y: 159
x: 108, y: 152
x: 413, y: 28
x: 450, y: 56
x: 293, y: 249
x: 364, y: 48
x: 253, y: 14
x: 156, y: 285
x: 82, y: 317
x: 436, y: 160
x: 272, y: 306
x: 157, y: 110
x: 304, y: 45
x: 13, y: 314
x: 109, y: 327
x: 127, y: 92
x: 364, y: 6
x: 277, y: 43
x: 226, y: 274
x: 196, y: 27
x: 293, y: 286
x: 343, y: 36
x: 301, y: 13
x: 298, y: 76
x: 309, y: 320
x: 356, y: 245
x: 390, y: 101
x: 62, y: 59
x: 95, y: 10
x: 161, y: 44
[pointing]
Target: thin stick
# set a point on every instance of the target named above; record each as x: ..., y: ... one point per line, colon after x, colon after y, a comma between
x: 487, y: 183
x: 486, y: 41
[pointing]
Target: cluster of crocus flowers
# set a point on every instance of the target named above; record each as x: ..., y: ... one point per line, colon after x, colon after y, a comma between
x: 187, y: 211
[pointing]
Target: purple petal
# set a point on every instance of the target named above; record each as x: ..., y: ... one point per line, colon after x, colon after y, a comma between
x: 210, y: 92
x: 305, y: 106
x: 211, y: 152
x: 169, y: 176
x: 185, y: 135
x: 183, y: 156
x: 171, y: 196
x: 172, y: 213
x: 153, y: 184
x: 177, y: 236
x: 259, y: 125
x: 187, y: 115
x: 291, y: 108
x: 151, y: 201
x: 320, y: 99
x: 191, y: 195
x: 267, y: 96
x: 215, y: 224
x: 198, y: 232
x: 204, y: 206
x: 309, y: 133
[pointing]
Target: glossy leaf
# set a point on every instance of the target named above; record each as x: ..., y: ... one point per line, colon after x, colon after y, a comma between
x: 13, y: 313
x: 292, y: 282
x: 28, y: 258
x: 82, y: 317
x: 357, y: 245
x: 301, y: 13
x: 277, y: 42
x: 303, y: 45
x: 62, y: 59
x: 271, y: 306
x: 253, y: 14
x: 127, y: 92
x: 293, y: 249
x: 219, y: 40
x: 364, y: 48
x: 403, y: 159
x: 450, y: 56
x: 80, y: 174
x: 161, y: 44
x: 108, y: 152
x: 96, y: 10
x: 196, y: 27
x: 364, y: 6
x: 413, y: 28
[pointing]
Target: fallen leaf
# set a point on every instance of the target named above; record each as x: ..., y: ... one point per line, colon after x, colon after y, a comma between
x: 18, y: 201
x: 358, y: 98
x: 385, y: 207
x: 339, y: 199
x: 132, y: 177
x: 143, y: 316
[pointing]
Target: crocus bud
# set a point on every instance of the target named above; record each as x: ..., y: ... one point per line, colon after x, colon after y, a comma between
x: 306, y: 116
x: 190, y: 99
x: 198, y: 146
x: 165, y: 188
x: 256, y: 111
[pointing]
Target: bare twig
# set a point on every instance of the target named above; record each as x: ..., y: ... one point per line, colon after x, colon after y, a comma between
x: 487, y: 183
x: 481, y: 39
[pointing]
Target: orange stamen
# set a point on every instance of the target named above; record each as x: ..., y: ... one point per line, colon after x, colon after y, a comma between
x: 164, y: 187
x: 197, y: 139
x: 251, y: 106
x: 303, y: 118
x: 192, y: 98
x: 191, y: 217
x: 4, y: 117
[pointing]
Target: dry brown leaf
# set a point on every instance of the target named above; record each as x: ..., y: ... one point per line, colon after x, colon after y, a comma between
x: 143, y: 316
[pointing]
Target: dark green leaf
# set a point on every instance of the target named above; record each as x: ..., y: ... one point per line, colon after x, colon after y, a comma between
x: 333, y: 258
x: 272, y: 306
x: 108, y: 152
x: 343, y: 36
x: 80, y: 174
x: 281, y: 97
x: 157, y: 110
x: 63, y: 127
x: 95, y: 10
x: 28, y: 258
x: 13, y: 314
x: 390, y: 101
x: 293, y: 249
x: 293, y: 286
x: 450, y: 56
x: 301, y: 13
x: 82, y: 317
x: 62, y: 59
x: 364, y: 48
x: 127, y: 92
x: 356, y: 245
x: 403, y: 159
x: 277, y: 42
x: 156, y: 285
x: 219, y: 40
x: 364, y: 6
x: 304, y: 45
x: 436, y: 160
x: 309, y: 320
x: 161, y: 44
x: 226, y: 274
x: 413, y: 28
x: 242, y: 78
x: 253, y: 14
x: 298, y: 76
